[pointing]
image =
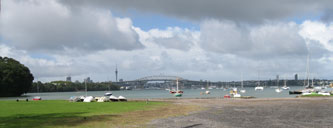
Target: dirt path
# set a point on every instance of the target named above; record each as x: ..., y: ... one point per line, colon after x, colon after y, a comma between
x: 253, y: 113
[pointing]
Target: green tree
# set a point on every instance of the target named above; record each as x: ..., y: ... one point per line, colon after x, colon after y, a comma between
x: 15, y: 78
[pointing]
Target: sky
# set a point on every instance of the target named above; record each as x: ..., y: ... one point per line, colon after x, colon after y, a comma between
x: 215, y: 40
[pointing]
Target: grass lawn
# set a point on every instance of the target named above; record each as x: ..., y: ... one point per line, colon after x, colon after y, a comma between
x: 60, y: 113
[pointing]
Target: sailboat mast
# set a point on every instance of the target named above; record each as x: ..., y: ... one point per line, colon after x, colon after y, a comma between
x: 85, y: 85
x: 307, y: 70
x: 258, y: 78
x: 242, y: 80
x: 177, y: 85
x: 285, y: 82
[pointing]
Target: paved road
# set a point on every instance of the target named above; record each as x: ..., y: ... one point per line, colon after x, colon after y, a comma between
x: 254, y: 113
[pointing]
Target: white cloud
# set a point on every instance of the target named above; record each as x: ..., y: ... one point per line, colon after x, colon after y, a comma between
x: 318, y: 32
x: 38, y: 25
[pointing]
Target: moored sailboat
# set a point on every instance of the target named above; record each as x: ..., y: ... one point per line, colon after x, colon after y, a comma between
x: 178, y: 93
x: 242, y: 86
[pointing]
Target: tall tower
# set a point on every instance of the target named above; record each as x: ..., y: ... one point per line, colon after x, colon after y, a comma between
x: 116, y: 74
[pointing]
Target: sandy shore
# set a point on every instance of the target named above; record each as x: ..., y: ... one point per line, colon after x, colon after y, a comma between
x: 252, y: 113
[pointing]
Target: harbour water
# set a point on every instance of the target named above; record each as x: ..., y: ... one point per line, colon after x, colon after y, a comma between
x: 151, y: 94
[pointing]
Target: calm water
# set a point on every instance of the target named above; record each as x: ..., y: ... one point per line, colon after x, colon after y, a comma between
x: 150, y: 94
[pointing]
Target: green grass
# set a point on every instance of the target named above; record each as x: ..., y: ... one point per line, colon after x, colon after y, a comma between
x: 59, y: 113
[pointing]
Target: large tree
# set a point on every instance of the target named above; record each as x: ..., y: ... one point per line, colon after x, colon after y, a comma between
x: 15, y: 78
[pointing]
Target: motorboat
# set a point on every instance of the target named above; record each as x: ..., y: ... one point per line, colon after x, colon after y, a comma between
x: 108, y: 94
x: 121, y: 98
x: 260, y: 88
x: 242, y: 90
x: 113, y: 98
x: 37, y: 98
x: 285, y: 88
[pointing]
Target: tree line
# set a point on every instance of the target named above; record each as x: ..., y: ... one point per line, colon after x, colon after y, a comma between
x: 64, y: 86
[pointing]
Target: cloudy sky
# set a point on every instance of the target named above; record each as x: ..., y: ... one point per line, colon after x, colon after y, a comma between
x: 214, y: 40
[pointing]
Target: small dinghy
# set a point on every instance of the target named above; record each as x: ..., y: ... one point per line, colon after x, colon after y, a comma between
x: 121, y: 98
x: 82, y: 98
x: 37, y: 98
x: 74, y: 99
x: 114, y: 99
x: 102, y: 99
x: 88, y: 99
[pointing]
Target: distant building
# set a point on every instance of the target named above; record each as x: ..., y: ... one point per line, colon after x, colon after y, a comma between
x: 121, y: 80
x: 69, y: 79
x: 88, y: 80
x: 296, y: 77
x: 277, y: 77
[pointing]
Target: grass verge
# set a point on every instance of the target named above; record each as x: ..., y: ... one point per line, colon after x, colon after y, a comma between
x: 60, y: 113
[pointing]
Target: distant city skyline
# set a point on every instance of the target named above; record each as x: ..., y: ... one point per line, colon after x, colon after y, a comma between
x: 215, y: 40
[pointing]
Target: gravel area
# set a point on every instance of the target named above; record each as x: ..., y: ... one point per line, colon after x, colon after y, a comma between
x: 253, y: 113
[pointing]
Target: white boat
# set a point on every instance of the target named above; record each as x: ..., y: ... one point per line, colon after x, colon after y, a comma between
x: 278, y: 90
x: 207, y: 92
x: 121, y: 98
x: 306, y: 93
x: 285, y: 87
x: 102, y: 99
x: 108, y: 94
x: 74, y: 99
x: 236, y: 95
x: 324, y: 93
x: 113, y: 98
x: 88, y: 99
x: 202, y: 88
x: 260, y: 88
x: 178, y: 93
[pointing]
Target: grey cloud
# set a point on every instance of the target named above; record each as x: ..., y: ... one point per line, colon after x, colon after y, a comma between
x: 251, y: 11
x: 49, y: 26
x: 260, y: 42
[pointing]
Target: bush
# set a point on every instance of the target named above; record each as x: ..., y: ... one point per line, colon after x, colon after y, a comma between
x: 15, y: 78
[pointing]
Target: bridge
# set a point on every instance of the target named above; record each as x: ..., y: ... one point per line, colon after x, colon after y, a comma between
x: 160, y: 78
x: 164, y: 81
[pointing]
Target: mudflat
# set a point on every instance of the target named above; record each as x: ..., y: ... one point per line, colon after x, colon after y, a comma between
x: 253, y: 113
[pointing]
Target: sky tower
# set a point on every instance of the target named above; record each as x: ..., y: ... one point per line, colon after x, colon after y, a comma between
x: 116, y: 74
